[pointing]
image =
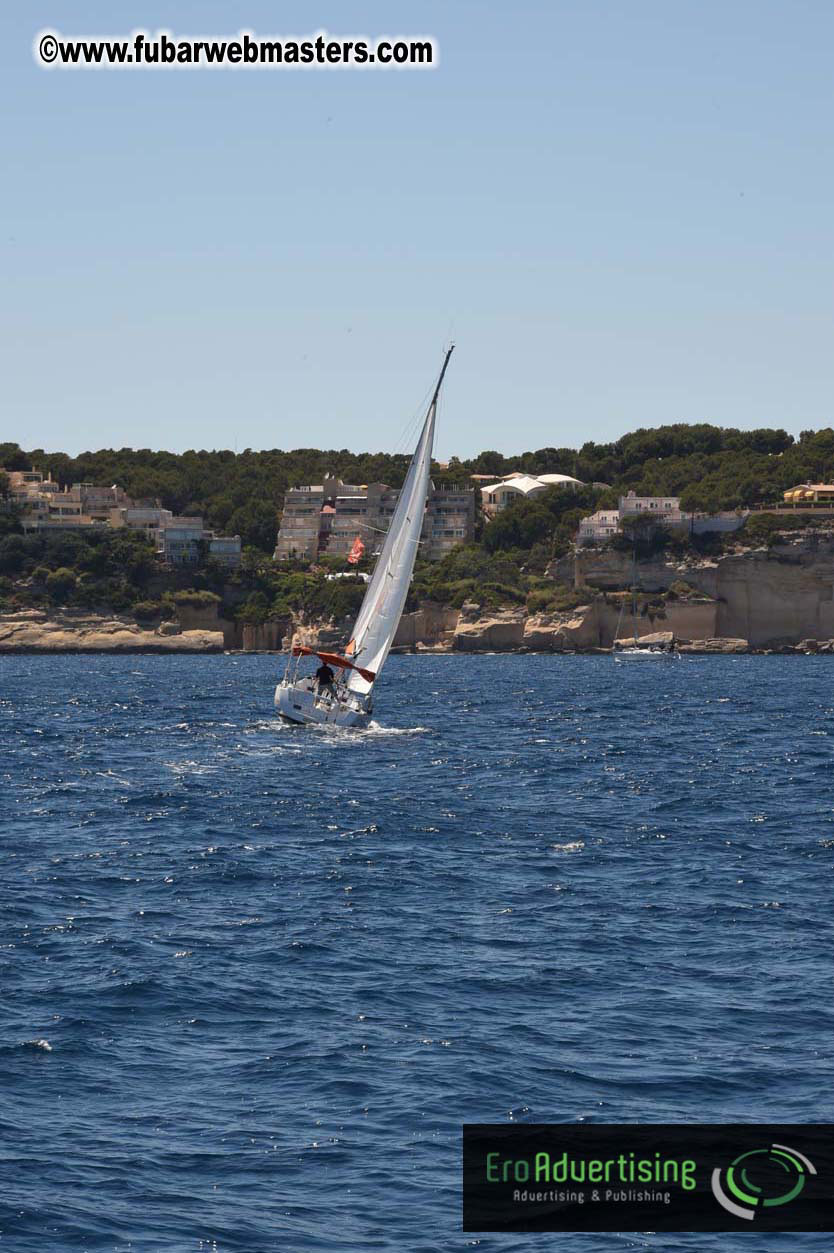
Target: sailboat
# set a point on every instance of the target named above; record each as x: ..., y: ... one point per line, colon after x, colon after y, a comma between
x: 623, y: 652
x: 348, y: 702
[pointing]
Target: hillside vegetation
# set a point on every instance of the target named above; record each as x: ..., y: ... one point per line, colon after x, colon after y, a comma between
x: 709, y: 467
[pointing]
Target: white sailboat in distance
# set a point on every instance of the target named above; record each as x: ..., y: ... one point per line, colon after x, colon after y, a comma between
x: 628, y: 652
x: 348, y: 700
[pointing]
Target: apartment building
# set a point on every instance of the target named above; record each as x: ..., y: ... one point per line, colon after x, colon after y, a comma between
x: 304, y: 518
x: 327, y: 517
x: 184, y: 541
x: 45, y: 506
x: 180, y: 541
x: 27, y: 483
x: 225, y: 550
x: 97, y: 502
x: 149, y: 519
x: 450, y: 520
x: 30, y: 493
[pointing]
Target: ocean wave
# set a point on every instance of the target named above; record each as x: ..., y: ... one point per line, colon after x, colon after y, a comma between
x: 238, y: 952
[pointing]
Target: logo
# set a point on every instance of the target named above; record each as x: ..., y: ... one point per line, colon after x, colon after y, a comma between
x: 674, y: 1177
x: 761, y: 1179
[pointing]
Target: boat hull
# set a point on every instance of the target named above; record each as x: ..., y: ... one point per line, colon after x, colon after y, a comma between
x: 638, y: 654
x: 303, y: 704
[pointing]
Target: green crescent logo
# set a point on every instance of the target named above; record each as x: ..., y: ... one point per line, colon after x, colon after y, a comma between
x: 760, y: 1179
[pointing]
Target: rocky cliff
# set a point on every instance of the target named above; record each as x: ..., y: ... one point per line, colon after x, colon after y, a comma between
x: 32, y: 631
x: 501, y: 630
x: 431, y: 626
x: 772, y: 597
x: 588, y: 628
x: 776, y: 597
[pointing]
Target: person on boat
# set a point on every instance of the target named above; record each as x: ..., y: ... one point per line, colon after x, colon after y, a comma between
x: 325, y: 677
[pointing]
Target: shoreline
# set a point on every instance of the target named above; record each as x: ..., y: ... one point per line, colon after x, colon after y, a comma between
x: 188, y: 650
x: 427, y: 631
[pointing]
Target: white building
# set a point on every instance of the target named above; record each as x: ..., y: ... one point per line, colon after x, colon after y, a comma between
x: 665, y: 510
x: 599, y: 527
x: 666, y: 507
x: 604, y: 524
x: 560, y: 480
x: 515, y: 486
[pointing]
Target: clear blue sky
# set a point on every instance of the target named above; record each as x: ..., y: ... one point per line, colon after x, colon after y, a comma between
x: 621, y: 211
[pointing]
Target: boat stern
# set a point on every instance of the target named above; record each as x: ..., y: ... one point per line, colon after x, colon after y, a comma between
x: 294, y: 703
x: 301, y: 703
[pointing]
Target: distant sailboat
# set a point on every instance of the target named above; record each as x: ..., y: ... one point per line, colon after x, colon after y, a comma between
x: 348, y: 702
x: 630, y: 652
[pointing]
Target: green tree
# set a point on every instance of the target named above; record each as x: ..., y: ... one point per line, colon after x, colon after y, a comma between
x: 13, y: 553
x: 60, y: 584
x: 12, y: 457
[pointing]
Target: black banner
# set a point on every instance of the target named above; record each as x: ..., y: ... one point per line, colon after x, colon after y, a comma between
x: 648, y: 1177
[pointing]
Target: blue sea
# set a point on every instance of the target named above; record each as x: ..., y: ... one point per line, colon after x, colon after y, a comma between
x: 254, y: 978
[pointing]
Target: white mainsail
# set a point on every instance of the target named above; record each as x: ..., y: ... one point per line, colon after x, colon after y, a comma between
x: 375, y: 628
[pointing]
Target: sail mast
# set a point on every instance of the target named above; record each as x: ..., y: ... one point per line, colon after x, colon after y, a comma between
x: 449, y: 352
x: 376, y: 625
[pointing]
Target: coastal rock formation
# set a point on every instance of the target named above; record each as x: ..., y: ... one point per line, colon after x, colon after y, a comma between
x: 772, y: 597
x: 777, y: 595
x: 779, y: 598
x: 431, y: 627
x: 558, y: 632
x: 662, y: 639
x: 31, y: 631
x: 722, y: 644
x: 498, y: 630
x: 656, y: 639
x: 586, y: 628
x: 610, y: 570
x: 815, y: 646
x: 259, y: 637
x: 683, y: 618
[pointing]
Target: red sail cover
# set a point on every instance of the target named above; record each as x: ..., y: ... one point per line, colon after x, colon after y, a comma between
x: 332, y: 659
x: 356, y: 553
